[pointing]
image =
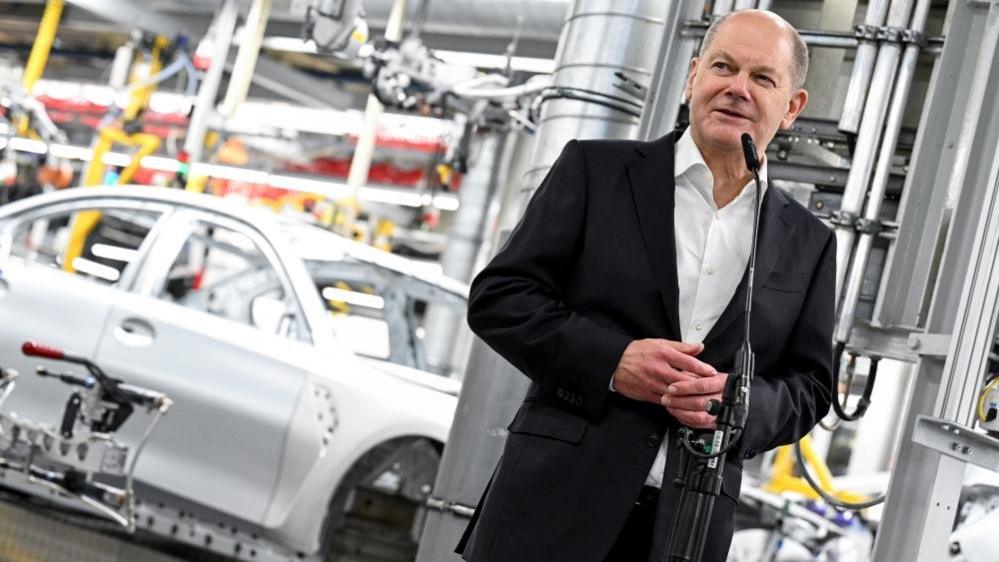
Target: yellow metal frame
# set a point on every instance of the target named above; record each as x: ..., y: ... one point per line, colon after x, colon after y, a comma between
x: 147, y: 143
x: 783, y: 479
x: 39, y: 56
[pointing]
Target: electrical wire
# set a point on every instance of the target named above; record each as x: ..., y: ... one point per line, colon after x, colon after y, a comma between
x: 983, y: 395
x: 865, y: 398
x: 826, y: 496
x: 567, y: 95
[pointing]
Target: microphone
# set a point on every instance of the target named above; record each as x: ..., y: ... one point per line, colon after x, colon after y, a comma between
x: 749, y: 153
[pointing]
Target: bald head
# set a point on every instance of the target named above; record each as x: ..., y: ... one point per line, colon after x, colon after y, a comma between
x: 799, y: 51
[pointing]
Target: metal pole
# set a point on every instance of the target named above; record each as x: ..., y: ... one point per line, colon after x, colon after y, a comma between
x: 598, y: 39
x: 225, y: 24
x: 868, y: 138
x: 360, y: 165
x: 879, y: 184
x: 863, y: 65
x: 721, y: 7
x: 246, y: 59
x: 662, y: 103
x: 925, y: 485
x: 464, y: 240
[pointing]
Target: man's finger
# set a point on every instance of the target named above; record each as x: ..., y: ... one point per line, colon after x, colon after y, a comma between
x: 689, y: 348
x: 699, y: 420
x: 704, y: 385
x: 684, y: 362
x: 697, y: 403
x: 668, y: 375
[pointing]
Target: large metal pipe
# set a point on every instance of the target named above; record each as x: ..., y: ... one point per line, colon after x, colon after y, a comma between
x: 872, y: 211
x: 204, y: 105
x: 464, y: 240
x: 868, y: 137
x: 863, y: 66
x: 246, y: 59
x: 599, y: 38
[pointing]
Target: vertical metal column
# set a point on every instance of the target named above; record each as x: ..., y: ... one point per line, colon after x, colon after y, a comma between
x: 204, y: 106
x: 599, y: 38
x: 872, y: 212
x: 869, y: 136
x: 464, y: 240
x: 924, y: 488
x: 670, y: 76
x: 863, y: 66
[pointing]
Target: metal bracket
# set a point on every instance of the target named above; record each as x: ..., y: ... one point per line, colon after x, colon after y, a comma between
x: 916, y: 38
x: 929, y: 345
x: 957, y: 441
x: 844, y: 219
x: 630, y: 85
x: 867, y: 32
x: 889, y: 34
x: 458, y: 509
x: 868, y: 226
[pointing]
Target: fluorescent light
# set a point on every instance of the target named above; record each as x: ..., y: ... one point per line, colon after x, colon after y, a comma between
x: 328, y: 189
x: 28, y: 145
x: 239, y: 174
x: 446, y: 202
x: 160, y: 163
x: 117, y: 159
x: 116, y: 253
x: 96, y: 269
x: 353, y: 297
x: 394, y: 197
x: 70, y: 152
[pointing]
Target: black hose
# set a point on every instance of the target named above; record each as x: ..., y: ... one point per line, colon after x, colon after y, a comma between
x: 829, y: 499
x: 865, y: 398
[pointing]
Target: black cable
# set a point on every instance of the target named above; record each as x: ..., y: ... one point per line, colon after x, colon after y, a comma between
x: 865, y: 398
x: 612, y: 97
x: 686, y: 431
x: 565, y: 95
x: 829, y: 499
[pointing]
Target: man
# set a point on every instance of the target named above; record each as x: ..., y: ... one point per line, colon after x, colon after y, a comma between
x: 620, y: 295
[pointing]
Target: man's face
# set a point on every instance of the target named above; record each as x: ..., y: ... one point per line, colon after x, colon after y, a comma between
x: 743, y: 84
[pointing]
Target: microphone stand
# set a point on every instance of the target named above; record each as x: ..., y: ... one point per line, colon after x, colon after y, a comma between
x: 702, y: 464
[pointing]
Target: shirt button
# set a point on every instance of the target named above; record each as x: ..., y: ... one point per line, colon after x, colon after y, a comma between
x: 698, y: 327
x: 711, y: 270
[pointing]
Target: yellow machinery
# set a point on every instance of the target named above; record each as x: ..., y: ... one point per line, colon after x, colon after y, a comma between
x: 39, y: 56
x: 782, y: 478
x: 118, y: 133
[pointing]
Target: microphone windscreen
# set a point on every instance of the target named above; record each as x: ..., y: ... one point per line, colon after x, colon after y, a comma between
x: 749, y: 152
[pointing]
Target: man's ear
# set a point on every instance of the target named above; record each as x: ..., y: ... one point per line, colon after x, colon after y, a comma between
x: 688, y: 90
x: 799, y: 99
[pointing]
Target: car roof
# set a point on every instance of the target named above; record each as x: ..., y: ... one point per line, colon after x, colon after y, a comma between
x: 312, y: 242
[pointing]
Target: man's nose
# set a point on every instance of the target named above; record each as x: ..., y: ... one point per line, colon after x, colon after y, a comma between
x: 738, y: 86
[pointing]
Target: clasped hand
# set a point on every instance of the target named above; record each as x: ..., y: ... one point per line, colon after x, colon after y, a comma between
x: 668, y: 373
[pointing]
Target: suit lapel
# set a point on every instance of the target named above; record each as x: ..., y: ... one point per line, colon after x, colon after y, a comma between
x: 775, y: 229
x: 652, y: 187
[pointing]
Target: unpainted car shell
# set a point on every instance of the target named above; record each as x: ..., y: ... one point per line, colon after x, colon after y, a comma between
x: 364, y: 404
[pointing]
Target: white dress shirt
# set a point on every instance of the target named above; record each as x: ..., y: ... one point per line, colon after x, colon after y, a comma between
x: 712, y: 251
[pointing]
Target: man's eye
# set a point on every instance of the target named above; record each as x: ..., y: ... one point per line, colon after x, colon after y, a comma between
x: 721, y: 66
x: 765, y: 79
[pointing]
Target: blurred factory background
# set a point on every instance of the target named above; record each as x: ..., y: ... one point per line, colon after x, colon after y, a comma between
x: 242, y: 233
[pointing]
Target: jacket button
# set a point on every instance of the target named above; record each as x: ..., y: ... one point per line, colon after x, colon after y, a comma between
x: 652, y: 440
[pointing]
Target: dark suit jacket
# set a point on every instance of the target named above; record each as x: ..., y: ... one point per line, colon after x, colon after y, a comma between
x: 590, y: 267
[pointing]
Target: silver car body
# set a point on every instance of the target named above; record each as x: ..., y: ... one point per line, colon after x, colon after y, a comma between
x: 264, y: 425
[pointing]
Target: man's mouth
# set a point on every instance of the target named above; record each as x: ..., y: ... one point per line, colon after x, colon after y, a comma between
x: 731, y: 113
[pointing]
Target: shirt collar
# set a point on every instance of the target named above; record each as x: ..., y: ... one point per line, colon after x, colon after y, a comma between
x: 689, y: 162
